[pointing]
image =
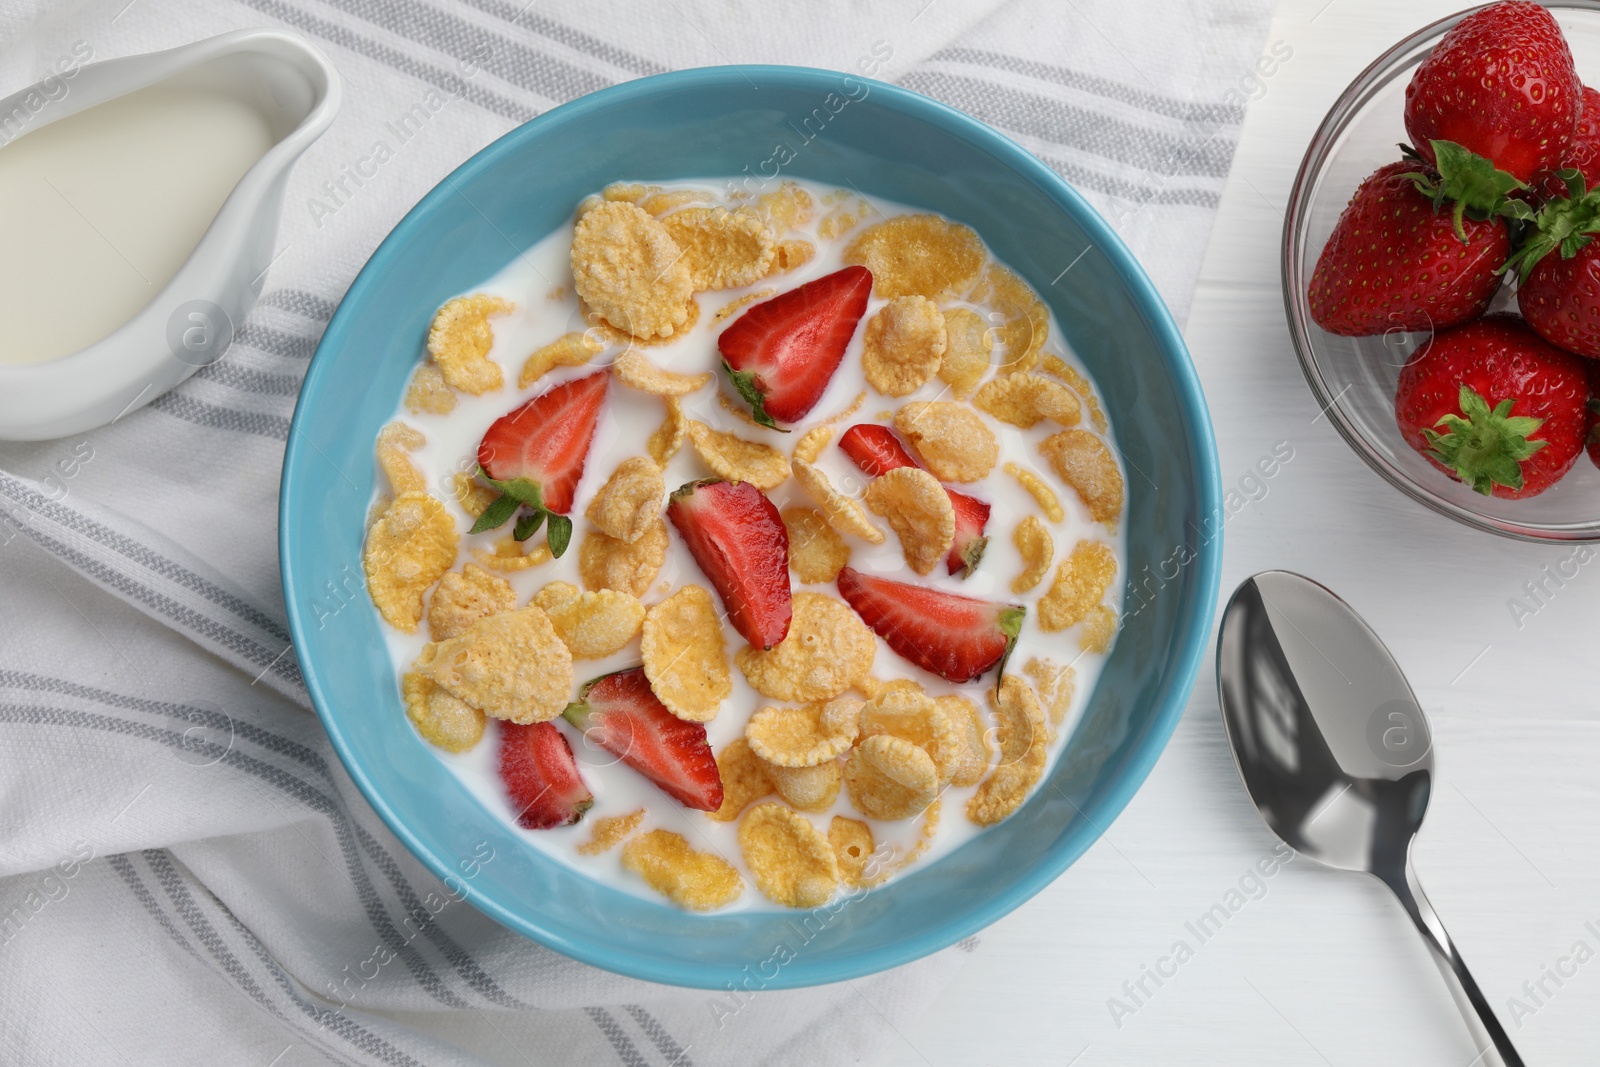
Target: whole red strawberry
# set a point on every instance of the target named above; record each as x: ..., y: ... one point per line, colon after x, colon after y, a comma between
x: 1494, y: 405
x: 1583, y: 153
x: 1502, y: 85
x: 1397, y: 261
x: 1593, y: 438
x: 1558, y: 270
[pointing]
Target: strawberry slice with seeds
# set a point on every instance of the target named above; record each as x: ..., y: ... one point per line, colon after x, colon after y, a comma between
x: 737, y: 537
x: 535, y: 454
x: 956, y: 637
x: 782, y: 352
x: 541, y: 777
x: 619, y: 713
x: 876, y: 450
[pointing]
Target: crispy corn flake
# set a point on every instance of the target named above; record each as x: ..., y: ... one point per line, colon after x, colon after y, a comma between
x: 1024, y: 741
x: 1081, y: 583
x: 699, y: 881
x: 684, y: 655
x: 839, y: 222
x: 813, y: 442
x: 919, y: 511
x: 609, y: 832
x: 1054, y: 364
x: 952, y: 441
x: 869, y: 686
x: 1026, y: 321
x: 594, y: 624
x: 626, y: 266
x: 724, y: 249
x: 394, y: 442
x: 904, y: 711
x: 903, y: 345
x: 604, y: 562
x: 968, y: 344
x: 853, y: 848
x: 604, y: 331
x: 1054, y: 684
x: 733, y: 307
x: 668, y: 438
x: 634, y: 369
x: 375, y: 511
x: 509, y: 554
x: 410, y: 547
x: 659, y: 202
x: 745, y: 779
x: 791, y: 860
x: 552, y: 593
x: 1099, y: 627
x: 972, y: 757
x: 925, y: 836
x: 890, y: 778
x: 465, y: 596
x: 789, y: 207
x: 843, y: 514
x: 841, y: 716
x: 632, y: 192
x: 630, y: 500
x: 473, y: 496
x: 568, y: 350
x: 795, y: 737
x: 828, y: 649
x: 428, y: 392
x: 918, y: 255
x: 816, y: 552
x: 459, y: 341
x: 1040, y: 490
x: 1083, y: 461
x: 1038, y: 550
x: 512, y: 665
x: 812, y: 789
x: 790, y: 254
x: 738, y: 460
x: 440, y: 717
x: 1024, y: 398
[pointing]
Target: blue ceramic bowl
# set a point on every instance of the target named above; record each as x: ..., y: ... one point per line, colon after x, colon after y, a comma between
x: 884, y: 141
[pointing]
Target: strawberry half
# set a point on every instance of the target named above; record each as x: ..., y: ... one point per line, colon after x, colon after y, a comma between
x: 876, y: 450
x: 956, y: 637
x: 534, y: 455
x: 738, y: 538
x: 782, y: 352
x: 541, y: 777
x: 619, y: 713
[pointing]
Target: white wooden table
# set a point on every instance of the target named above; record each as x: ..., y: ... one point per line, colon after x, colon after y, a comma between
x: 1317, y: 966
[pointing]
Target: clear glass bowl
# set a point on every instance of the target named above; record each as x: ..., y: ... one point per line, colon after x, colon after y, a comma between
x: 1353, y: 378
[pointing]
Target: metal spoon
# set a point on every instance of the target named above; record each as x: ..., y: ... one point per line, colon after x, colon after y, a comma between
x: 1334, y: 749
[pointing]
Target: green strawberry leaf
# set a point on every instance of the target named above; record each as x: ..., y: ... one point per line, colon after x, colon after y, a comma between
x: 1472, y: 185
x: 1484, y: 447
x: 1011, y: 625
x: 519, y: 489
x: 745, y: 383
x: 1563, y: 225
x: 497, y: 514
x: 528, y: 525
x: 559, y: 534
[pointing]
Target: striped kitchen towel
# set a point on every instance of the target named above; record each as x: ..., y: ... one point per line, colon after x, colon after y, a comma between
x: 187, y: 876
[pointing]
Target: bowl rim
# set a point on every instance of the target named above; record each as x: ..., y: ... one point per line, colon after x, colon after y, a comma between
x: 1345, y: 108
x: 1187, y: 645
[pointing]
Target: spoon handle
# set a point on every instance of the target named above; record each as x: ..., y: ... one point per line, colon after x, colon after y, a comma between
x: 1405, y: 886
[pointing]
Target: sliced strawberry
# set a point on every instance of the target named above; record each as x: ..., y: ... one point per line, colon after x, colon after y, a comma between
x: 876, y: 450
x: 535, y: 454
x: 541, y: 777
x: 736, y: 535
x: 956, y: 637
x: 782, y: 352
x: 619, y: 713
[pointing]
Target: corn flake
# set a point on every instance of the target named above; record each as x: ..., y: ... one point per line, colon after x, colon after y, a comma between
x: 1024, y: 398
x: 1083, y: 461
x: 967, y: 348
x: 410, y: 547
x: 903, y: 345
x: 791, y: 860
x: 602, y: 330
x: 972, y: 756
x: 841, y: 716
x: 1038, y: 549
x: 626, y: 266
x: 738, y: 460
x: 812, y: 443
x: 1055, y: 685
x: 441, y: 718
x: 853, y: 848
x: 508, y: 555
x: 1081, y: 582
x: 828, y: 649
x: 604, y: 562
x: 734, y: 306
x: 724, y: 249
x: 1026, y: 321
x: 811, y: 789
x: 429, y: 393
x: 902, y: 710
x: 473, y: 496
x: 668, y: 438
x: 594, y: 624
x: 1023, y: 741
x: 635, y: 370
x: 699, y: 881
x: 659, y: 202
x: 918, y: 255
x: 610, y: 831
x: 1054, y: 364
x: 890, y: 778
x: 394, y: 441
x: 569, y: 350
x: 816, y: 552
x: 795, y: 737
x: 791, y: 254
x: 684, y: 655
x: 459, y: 341
x: 1040, y: 490
x: 1099, y: 627
x: 630, y: 500
x: 919, y: 511
x: 465, y: 596
x: 843, y: 514
x: 745, y: 779
x: 512, y: 665
x: 789, y: 207
x: 951, y: 440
